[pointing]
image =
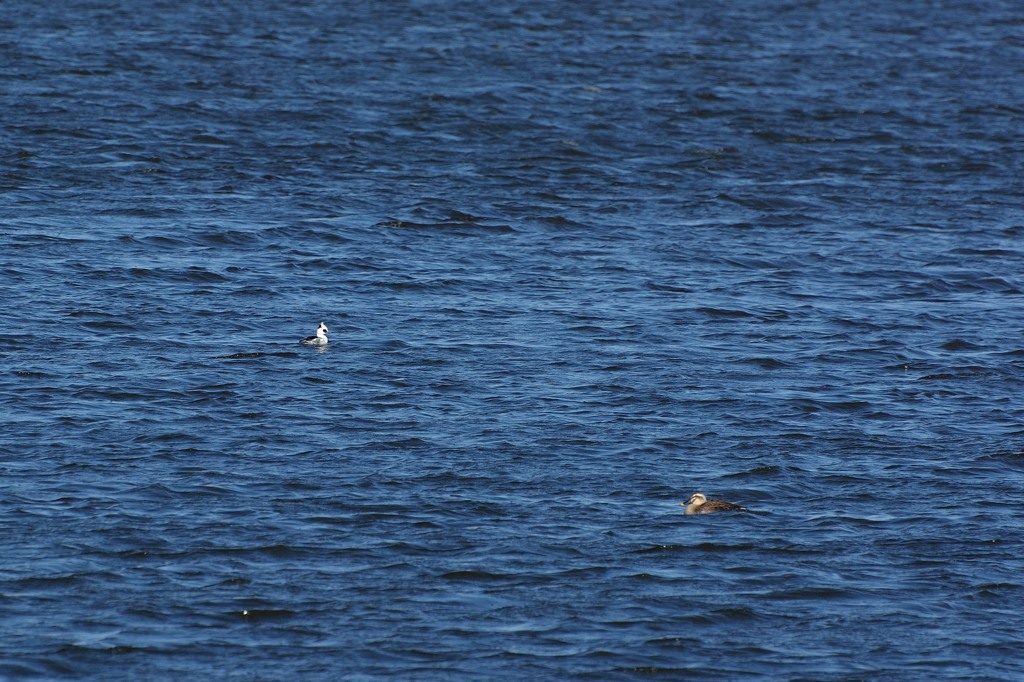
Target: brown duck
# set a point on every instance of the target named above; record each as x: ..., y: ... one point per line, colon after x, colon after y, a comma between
x: 699, y: 504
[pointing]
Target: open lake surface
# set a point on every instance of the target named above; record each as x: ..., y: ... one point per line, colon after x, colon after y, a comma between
x: 578, y: 260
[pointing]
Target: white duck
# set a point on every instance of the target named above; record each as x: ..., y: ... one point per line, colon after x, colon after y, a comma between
x: 320, y: 339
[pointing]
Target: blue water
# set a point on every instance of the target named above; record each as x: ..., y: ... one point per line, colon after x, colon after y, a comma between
x: 579, y: 260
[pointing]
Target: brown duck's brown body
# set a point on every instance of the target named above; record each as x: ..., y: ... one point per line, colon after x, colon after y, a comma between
x: 699, y: 504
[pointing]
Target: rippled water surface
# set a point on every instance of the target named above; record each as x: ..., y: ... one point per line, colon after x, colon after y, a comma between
x: 578, y: 260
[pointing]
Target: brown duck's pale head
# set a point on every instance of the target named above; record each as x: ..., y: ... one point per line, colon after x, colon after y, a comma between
x: 695, y: 499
